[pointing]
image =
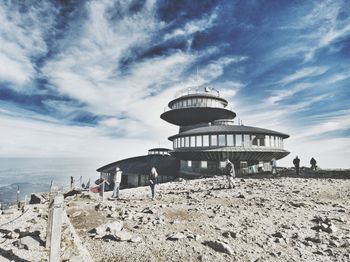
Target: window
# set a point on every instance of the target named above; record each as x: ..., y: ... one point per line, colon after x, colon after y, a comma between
x: 199, y: 141
x: 205, y: 140
x: 178, y: 142
x: 222, y: 164
x: 192, y: 141
x: 187, y: 141
x: 261, y: 141
x: 246, y: 140
x: 267, y: 140
x: 254, y: 140
x: 189, y: 102
x: 239, y: 140
x: 189, y: 163
x: 174, y: 143
x: 274, y: 141
x: 204, y: 164
x: 213, y: 140
x: 182, y: 141
x: 229, y: 140
x: 222, y: 141
x: 282, y: 146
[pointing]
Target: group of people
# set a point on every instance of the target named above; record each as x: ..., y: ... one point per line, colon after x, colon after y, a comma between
x: 296, y: 163
x: 117, y: 178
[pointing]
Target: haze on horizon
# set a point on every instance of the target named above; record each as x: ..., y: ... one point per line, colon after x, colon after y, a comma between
x: 91, y: 78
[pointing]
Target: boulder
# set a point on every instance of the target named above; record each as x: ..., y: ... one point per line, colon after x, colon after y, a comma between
x: 176, y: 236
x: 36, y: 199
x: 123, y: 236
x: 109, y: 228
x: 29, y: 242
x: 218, y: 246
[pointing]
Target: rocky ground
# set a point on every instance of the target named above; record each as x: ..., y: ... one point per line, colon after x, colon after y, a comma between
x: 261, y: 219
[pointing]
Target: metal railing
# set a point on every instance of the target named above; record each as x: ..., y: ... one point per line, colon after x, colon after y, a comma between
x: 203, y: 89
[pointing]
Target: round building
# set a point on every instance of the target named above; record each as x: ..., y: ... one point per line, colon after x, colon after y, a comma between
x: 207, y: 136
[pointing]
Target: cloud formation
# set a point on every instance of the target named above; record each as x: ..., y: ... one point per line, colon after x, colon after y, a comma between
x: 97, y: 74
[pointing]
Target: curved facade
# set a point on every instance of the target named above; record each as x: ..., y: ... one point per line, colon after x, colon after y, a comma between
x: 136, y: 169
x: 207, y: 136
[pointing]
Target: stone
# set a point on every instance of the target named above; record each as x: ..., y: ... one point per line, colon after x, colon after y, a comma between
x: 229, y: 234
x: 219, y: 246
x: 76, y: 214
x: 278, y: 235
x: 29, y: 242
x: 36, y: 199
x: 123, y: 236
x: 176, y: 236
x: 135, y: 239
x: 111, y: 228
x: 148, y: 210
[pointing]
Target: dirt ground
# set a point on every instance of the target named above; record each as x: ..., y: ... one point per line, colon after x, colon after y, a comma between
x: 261, y: 219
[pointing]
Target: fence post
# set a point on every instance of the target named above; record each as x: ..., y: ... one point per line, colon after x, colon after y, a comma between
x: 56, y: 225
x: 53, y: 194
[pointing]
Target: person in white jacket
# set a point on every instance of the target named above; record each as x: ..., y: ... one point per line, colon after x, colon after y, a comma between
x: 117, y: 179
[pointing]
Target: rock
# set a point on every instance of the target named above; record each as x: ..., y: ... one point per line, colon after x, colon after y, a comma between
x: 148, y: 210
x: 229, y: 234
x: 111, y: 228
x: 71, y: 193
x: 176, y: 236
x: 29, y: 242
x: 278, y: 235
x: 219, y: 246
x: 135, y: 239
x: 36, y: 199
x: 76, y: 214
x: 123, y: 236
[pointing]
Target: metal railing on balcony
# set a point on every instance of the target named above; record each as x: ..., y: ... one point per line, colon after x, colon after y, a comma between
x: 203, y: 89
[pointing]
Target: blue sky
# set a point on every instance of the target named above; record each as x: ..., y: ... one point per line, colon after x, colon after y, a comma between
x: 90, y: 78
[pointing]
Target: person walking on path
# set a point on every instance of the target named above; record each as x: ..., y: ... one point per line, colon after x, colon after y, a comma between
x: 230, y: 173
x: 313, y: 163
x: 153, y: 179
x: 117, y: 178
x: 296, y: 163
x: 274, y: 167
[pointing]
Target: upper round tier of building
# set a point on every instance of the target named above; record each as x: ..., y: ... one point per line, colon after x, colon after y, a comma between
x: 199, y: 105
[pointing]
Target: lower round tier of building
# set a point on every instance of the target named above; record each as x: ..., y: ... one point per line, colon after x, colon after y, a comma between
x: 232, y: 153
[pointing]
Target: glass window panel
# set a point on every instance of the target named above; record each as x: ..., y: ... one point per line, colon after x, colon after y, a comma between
x: 187, y: 141
x: 246, y: 140
x: 262, y: 141
x: 182, y: 142
x: 213, y: 140
x: 199, y: 141
x: 205, y: 140
x: 222, y: 164
x: 189, y: 163
x: 192, y: 141
x: 254, y: 140
x: 239, y: 140
x: 222, y: 141
x: 204, y: 164
x: 273, y: 141
x: 174, y: 143
x: 189, y: 103
x: 229, y: 140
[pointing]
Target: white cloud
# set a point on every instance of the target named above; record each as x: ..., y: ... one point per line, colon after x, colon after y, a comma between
x: 192, y: 27
x: 303, y: 73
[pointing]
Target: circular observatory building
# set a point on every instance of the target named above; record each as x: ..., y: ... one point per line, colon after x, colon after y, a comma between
x: 208, y: 136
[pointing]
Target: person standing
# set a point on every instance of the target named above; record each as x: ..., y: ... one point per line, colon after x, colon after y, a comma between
x: 230, y: 173
x: 117, y: 178
x: 71, y: 182
x: 296, y: 163
x: 313, y: 163
x: 153, y: 179
x: 274, y: 167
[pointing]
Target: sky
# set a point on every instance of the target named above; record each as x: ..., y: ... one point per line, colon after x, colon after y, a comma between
x: 91, y: 78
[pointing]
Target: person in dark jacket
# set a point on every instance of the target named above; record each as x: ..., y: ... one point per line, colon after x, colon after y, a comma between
x: 296, y: 163
x: 153, y: 180
x: 313, y: 163
x: 230, y: 173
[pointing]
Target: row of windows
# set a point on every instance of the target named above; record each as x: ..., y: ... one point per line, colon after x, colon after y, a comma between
x: 244, y: 140
x: 198, y: 102
x: 164, y: 153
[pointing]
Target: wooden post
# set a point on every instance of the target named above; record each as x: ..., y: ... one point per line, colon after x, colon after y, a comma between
x: 53, y: 194
x: 18, y: 203
x: 56, y: 226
